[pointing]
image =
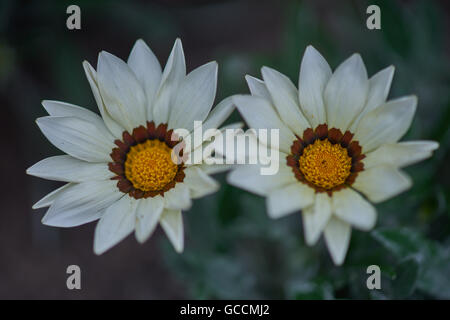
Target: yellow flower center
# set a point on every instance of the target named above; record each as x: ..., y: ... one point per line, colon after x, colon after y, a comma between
x: 324, y: 164
x: 149, y: 166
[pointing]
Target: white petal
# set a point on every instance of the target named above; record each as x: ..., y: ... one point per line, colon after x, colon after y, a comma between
x: 337, y: 237
x: 219, y: 114
x: 148, y: 213
x: 116, y: 224
x: 289, y: 199
x: 178, y: 198
x: 67, y: 168
x: 147, y: 69
x: 62, y: 109
x: 346, y: 92
x: 316, y: 217
x: 379, y: 86
x: 82, y: 203
x: 400, y: 154
x: 259, y: 114
x: 249, y: 178
x: 77, y: 137
x: 258, y: 88
x: 194, y: 97
x: 386, y: 124
x: 172, y: 223
x: 115, y: 128
x: 176, y: 65
x: 285, y: 98
x: 381, y: 183
x: 49, y: 198
x: 351, y: 207
x: 173, y: 75
x: 199, y: 183
x: 122, y: 93
x: 314, y: 75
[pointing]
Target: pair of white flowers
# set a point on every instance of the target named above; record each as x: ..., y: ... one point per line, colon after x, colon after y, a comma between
x: 338, y: 147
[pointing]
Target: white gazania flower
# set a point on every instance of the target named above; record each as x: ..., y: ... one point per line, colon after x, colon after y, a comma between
x: 338, y: 146
x: 118, y: 166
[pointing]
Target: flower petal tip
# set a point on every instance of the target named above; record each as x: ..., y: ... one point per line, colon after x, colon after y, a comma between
x: 310, y: 49
x: 179, y: 249
x: 434, y: 145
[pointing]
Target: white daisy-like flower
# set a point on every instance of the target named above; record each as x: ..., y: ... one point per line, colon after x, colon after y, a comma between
x: 338, y: 146
x: 118, y: 166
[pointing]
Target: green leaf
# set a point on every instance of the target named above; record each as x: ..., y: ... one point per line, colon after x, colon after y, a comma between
x: 400, y: 242
x: 405, y: 280
x: 312, y: 291
x: 432, y: 259
x: 435, y: 279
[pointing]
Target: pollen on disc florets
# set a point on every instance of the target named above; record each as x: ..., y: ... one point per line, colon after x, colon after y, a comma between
x: 324, y: 164
x: 144, y: 162
x: 149, y: 166
x: 325, y: 159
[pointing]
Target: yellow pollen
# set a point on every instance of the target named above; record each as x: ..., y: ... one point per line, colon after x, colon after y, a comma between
x: 324, y: 164
x: 149, y: 166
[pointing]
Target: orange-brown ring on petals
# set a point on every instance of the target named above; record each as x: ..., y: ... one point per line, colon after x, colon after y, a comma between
x: 335, y: 136
x: 140, y: 135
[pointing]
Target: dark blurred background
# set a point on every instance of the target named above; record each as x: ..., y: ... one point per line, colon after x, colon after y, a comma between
x: 233, y: 250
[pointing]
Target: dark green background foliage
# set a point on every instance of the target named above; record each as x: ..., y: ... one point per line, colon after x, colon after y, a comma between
x: 233, y: 250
